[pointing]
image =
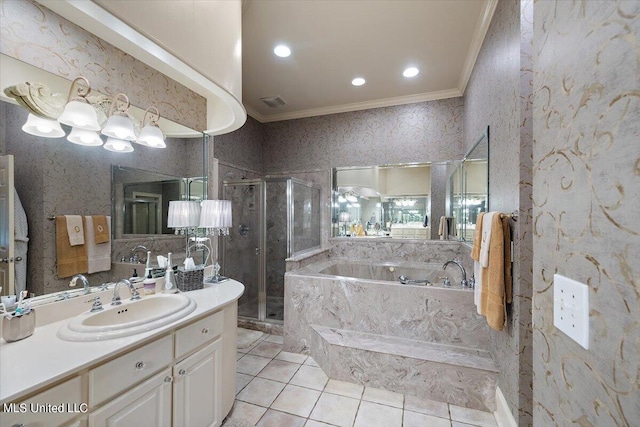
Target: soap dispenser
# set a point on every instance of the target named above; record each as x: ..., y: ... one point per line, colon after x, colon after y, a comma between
x: 149, y: 284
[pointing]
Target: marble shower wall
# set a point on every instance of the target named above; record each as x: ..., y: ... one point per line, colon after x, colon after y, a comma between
x: 499, y: 95
x: 33, y: 34
x: 56, y: 177
x: 586, y: 201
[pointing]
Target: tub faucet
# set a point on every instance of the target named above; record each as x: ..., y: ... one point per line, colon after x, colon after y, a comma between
x: 463, y: 283
x: 132, y: 290
x: 134, y: 254
x: 83, y: 279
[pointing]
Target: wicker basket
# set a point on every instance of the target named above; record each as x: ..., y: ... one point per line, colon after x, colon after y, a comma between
x: 190, y: 280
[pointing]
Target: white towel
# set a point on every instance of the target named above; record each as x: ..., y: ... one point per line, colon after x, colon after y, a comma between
x: 98, y: 254
x: 75, y: 229
x: 486, y: 238
x: 477, y: 290
x: 442, y: 229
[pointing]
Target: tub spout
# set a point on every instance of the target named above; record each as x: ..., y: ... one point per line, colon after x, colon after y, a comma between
x: 463, y: 283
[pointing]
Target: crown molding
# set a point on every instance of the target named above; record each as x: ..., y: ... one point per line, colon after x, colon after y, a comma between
x: 356, y: 106
x: 479, y: 34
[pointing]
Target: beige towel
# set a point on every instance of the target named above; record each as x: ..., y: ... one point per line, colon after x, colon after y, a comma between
x: 442, y: 229
x: 487, y: 234
x: 101, y: 228
x: 496, y: 278
x: 98, y: 254
x: 75, y: 230
x: 70, y: 259
x: 477, y: 238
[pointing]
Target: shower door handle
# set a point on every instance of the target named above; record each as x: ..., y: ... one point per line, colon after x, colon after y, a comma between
x: 257, y: 251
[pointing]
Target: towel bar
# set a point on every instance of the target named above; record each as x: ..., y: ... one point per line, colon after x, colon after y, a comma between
x: 513, y: 215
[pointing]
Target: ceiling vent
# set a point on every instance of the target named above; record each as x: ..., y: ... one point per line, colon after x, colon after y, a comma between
x: 273, y: 101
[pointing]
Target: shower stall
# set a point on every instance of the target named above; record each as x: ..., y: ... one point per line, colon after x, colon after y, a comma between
x: 273, y: 219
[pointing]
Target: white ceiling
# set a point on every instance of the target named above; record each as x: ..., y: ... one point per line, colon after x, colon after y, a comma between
x: 333, y: 41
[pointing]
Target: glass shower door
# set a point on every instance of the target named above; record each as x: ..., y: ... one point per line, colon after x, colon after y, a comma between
x: 241, y: 259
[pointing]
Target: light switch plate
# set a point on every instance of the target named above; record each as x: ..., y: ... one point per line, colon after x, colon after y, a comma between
x: 571, y: 308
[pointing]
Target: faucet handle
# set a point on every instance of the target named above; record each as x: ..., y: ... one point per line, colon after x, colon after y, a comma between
x: 116, y: 299
x: 472, y: 282
x: 135, y: 295
x: 96, y: 306
x: 446, y: 282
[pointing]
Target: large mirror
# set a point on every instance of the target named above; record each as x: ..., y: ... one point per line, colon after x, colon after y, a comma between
x: 55, y: 177
x: 470, y: 187
x: 382, y: 201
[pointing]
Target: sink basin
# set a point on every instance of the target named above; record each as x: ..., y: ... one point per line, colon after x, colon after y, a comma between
x: 129, y: 318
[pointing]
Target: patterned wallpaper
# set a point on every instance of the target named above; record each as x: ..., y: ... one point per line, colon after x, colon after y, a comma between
x: 499, y: 95
x: 586, y: 204
x: 242, y: 148
x: 33, y: 34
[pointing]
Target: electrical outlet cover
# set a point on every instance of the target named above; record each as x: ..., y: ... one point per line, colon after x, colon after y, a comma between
x: 571, y: 308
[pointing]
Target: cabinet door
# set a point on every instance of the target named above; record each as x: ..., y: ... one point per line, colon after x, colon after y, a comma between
x: 197, y: 388
x: 147, y: 405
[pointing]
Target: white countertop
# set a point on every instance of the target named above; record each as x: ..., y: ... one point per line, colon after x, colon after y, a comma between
x: 43, y: 358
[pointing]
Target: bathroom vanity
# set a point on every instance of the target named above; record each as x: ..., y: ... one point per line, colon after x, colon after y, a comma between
x: 180, y: 374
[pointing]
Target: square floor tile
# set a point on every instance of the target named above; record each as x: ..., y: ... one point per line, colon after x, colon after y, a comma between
x: 279, y: 370
x: 426, y: 406
x: 242, y: 380
x: 375, y: 415
x: 246, y: 411
x: 415, y: 419
x: 336, y: 410
x: 261, y: 392
x: 310, y: 377
x: 280, y: 419
x: 267, y: 349
x: 472, y: 416
x: 251, y: 365
x: 239, y: 355
x: 384, y: 397
x: 296, y: 400
x: 278, y: 339
x: 311, y: 362
x: 459, y: 424
x: 314, y: 423
x: 291, y: 357
x: 344, y: 389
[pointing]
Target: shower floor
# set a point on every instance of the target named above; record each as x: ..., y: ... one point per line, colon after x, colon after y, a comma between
x: 275, y: 308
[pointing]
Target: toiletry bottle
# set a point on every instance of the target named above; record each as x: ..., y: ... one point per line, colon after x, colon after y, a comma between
x: 134, y: 275
x: 149, y: 285
x: 147, y: 269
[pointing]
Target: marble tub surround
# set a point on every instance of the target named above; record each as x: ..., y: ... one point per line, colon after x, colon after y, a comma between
x: 304, y: 259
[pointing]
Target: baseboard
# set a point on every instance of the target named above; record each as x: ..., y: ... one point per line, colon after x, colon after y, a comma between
x: 503, y: 414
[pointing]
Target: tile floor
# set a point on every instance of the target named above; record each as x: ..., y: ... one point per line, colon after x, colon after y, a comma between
x: 275, y: 388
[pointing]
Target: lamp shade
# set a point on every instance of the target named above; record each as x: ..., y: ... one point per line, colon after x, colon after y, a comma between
x: 119, y: 126
x: 39, y: 126
x: 84, y: 137
x: 183, y: 214
x: 118, y: 145
x: 151, y: 136
x: 80, y: 114
x: 215, y: 214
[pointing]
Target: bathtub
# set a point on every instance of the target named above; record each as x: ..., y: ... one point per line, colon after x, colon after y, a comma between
x: 432, y: 272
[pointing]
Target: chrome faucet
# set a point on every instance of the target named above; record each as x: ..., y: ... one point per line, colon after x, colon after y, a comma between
x: 134, y: 254
x: 463, y: 283
x: 84, y: 280
x: 132, y: 290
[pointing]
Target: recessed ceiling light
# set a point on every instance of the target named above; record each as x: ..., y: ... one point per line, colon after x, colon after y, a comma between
x: 358, y: 81
x: 282, y: 51
x: 410, y: 72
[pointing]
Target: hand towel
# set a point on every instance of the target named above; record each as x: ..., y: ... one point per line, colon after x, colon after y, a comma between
x: 70, y: 259
x: 477, y: 289
x: 442, y: 228
x: 477, y: 239
x: 487, y: 234
x: 453, y: 229
x: 98, y: 254
x: 101, y: 228
x: 494, y: 288
x: 75, y: 230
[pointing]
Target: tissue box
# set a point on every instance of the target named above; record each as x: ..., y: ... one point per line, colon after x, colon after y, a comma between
x: 19, y: 327
x: 190, y: 280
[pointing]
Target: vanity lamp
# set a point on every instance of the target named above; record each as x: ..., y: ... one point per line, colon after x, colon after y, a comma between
x: 215, y: 218
x: 184, y: 216
x: 81, y: 115
x: 151, y: 135
x: 119, y: 127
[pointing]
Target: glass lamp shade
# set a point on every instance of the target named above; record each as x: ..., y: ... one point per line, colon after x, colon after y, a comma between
x: 84, y: 137
x: 39, y: 126
x: 81, y: 115
x: 216, y: 216
x: 119, y: 126
x: 151, y: 136
x: 183, y: 214
x: 118, y: 145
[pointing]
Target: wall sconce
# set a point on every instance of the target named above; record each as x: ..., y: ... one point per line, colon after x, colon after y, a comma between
x: 183, y: 215
x: 119, y: 125
x: 84, y: 137
x: 78, y: 113
x: 118, y: 145
x: 40, y: 126
x: 151, y: 135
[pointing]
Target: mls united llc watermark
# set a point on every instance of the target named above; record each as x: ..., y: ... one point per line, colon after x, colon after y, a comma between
x: 33, y: 408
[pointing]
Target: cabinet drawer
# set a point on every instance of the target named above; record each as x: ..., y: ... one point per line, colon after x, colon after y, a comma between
x: 198, y: 333
x: 129, y: 369
x: 65, y: 397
